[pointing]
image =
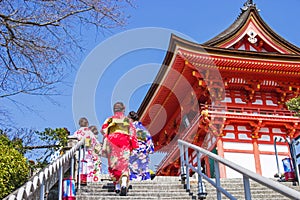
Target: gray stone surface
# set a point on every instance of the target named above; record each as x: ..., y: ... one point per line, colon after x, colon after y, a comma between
x: 171, y: 188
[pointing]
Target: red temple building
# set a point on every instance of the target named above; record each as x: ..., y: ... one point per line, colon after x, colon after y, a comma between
x: 226, y: 95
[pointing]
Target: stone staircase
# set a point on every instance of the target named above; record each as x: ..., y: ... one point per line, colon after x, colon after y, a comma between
x: 158, y: 188
x: 235, y: 187
x: 171, y: 188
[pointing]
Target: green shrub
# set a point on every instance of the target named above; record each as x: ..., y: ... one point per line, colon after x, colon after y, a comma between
x: 294, y: 105
x: 14, y: 169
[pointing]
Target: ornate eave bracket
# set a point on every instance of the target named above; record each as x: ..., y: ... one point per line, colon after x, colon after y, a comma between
x: 292, y: 128
x: 255, y: 129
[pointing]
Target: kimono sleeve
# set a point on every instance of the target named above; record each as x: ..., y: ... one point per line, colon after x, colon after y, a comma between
x: 105, y: 126
x: 95, y: 144
x: 133, y: 139
x: 105, y: 148
x: 78, y: 134
x: 149, y: 142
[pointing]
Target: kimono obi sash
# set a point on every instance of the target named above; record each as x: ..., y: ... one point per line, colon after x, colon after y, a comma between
x: 118, y: 126
x: 141, y: 135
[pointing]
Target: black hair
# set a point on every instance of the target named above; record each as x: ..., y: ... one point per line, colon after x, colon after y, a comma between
x: 133, y: 115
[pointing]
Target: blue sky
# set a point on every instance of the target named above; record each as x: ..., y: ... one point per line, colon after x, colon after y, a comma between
x: 199, y: 20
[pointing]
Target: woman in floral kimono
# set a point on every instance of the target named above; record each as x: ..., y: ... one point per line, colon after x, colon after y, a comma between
x: 119, y: 140
x: 139, y: 159
x: 96, y: 157
x: 90, y: 143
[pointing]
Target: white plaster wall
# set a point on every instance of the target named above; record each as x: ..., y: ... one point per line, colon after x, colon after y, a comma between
x: 244, y: 160
x: 268, y: 162
x: 238, y: 146
x: 270, y: 148
x: 269, y: 166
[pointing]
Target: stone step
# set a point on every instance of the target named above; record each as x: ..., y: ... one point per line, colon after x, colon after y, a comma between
x: 135, y: 190
x: 241, y: 197
x: 156, y: 179
x: 162, y: 188
x: 239, y: 185
x: 170, y: 180
x: 141, y: 190
x: 91, y: 197
x: 240, y: 181
x: 238, y: 192
x: 236, y: 189
x: 135, y: 186
x: 252, y: 185
x: 150, y: 187
x: 141, y: 183
x: 144, y: 194
x: 175, y: 191
x: 171, y: 188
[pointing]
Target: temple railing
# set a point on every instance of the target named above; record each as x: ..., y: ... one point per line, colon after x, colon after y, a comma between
x: 252, y: 110
x: 40, y: 184
x: 246, y: 113
x: 247, y: 174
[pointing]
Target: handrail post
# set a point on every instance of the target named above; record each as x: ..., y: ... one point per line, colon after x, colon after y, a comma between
x: 42, y: 190
x: 187, y: 170
x: 182, y: 161
x: 79, y: 167
x: 46, y: 190
x: 218, y: 181
x: 201, y: 187
x: 60, y: 177
x: 247, y: 174
x: 246, y: 188
x: 72, y: 167
x: 276, y: 155
x: 294, y: 156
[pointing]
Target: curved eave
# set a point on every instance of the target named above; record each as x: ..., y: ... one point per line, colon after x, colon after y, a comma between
x: 240, y: 22
x: 230, y: 31
x: 177, y: 42
x: 159, y: 76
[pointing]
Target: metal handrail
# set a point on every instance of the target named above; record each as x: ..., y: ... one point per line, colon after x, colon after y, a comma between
x: 247, y: 174
x: 36, y: 187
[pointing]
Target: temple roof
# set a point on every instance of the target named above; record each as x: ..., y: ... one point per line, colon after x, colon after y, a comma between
x: 249, y: 19
x: 194, y: 52
x: 248, y: 48
x: 240, y: 26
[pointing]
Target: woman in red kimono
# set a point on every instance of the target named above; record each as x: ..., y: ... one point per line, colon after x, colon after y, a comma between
x: 119, y: 140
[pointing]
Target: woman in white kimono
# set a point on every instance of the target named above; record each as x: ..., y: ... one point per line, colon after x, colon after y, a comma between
x: 97, y: 157
x: 90, y: 143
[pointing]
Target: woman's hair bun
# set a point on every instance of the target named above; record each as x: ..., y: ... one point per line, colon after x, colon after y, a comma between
x: 133, y: 115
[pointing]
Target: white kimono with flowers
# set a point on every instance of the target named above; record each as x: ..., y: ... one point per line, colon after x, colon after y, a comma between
x: 93, y: 148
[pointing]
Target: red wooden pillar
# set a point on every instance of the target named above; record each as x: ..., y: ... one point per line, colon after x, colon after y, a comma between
x: 221, y: 153
x: 207, y: 166
x: 256, y: 156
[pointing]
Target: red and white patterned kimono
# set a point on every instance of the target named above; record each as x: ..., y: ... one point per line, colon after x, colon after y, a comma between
x: 119, y: 140
x: 93, y: 165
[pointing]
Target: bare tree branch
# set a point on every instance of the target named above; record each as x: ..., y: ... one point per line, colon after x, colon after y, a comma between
x: 40, y: 38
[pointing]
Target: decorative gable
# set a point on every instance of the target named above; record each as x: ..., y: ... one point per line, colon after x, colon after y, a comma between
x: 250, y: 33
x: 252, y: 38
